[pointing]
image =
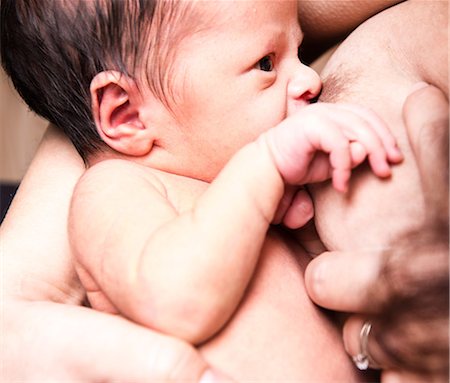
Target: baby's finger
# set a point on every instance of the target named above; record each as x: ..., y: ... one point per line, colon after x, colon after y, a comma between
x: 358, y: 153
x: 359, y: 129
x: 376, y: 153
x: 285, y: 203
x: 300, y: 211
x: 340, y: 161
x: 328, y: 137
x: 340, y: 179
x: 382, y: 130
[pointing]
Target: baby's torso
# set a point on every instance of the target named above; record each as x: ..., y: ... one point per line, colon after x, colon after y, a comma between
x: 276, y: 333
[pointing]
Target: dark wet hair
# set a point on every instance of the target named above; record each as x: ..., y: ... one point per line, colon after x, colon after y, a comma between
x: 52, y: 49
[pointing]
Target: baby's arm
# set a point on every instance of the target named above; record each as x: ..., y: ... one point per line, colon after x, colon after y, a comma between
x: 185, y: 272
x: 182, y: 273
x: 327, y: 140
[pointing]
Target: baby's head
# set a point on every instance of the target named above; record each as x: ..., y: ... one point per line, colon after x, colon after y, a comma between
x: 52, y: 49
x: 178, y: 85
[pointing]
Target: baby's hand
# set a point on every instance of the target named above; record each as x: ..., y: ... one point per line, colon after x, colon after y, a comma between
x: 325, y: 141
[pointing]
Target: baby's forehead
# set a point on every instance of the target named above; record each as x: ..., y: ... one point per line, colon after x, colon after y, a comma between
x: 225, y: 15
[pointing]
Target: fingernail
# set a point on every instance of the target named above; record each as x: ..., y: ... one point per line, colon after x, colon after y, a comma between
x: 210, y: 376
x: 419, y: 85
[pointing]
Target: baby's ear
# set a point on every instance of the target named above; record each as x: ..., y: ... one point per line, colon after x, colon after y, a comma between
x: 116, y: 101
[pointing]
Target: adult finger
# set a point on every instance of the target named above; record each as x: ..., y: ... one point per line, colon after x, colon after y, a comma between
x: 338, y: 280
x: 426, y: 118
x: 63, y: 342
x: 411, y: 328
x: 360, y: 343
x: 402, y: 376
x: 365, y: 341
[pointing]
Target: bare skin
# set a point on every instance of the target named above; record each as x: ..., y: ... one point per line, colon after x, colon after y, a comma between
x: 149, y: 243
x: 59, y: 284
x: 392, y: 215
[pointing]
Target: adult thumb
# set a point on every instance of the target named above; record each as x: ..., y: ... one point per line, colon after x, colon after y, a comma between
x: 343, y: 281
x: 426, y: 117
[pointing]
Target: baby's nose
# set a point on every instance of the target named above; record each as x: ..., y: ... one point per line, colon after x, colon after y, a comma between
x: 304, y: 85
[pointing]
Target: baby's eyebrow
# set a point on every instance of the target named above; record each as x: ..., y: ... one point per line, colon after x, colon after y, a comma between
x: 280, y: 35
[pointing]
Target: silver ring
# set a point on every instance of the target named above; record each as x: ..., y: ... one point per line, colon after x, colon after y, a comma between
x: 363, y: 360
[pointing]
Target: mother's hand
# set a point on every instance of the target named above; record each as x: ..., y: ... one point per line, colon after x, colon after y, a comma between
x: 47, y: 335
x: 402, y: 291
x: 47, y: 341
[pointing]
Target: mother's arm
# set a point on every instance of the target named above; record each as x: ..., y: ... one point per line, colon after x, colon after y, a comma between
x: 46, y: 333
x: 326, y: 22
x: 32, y: 226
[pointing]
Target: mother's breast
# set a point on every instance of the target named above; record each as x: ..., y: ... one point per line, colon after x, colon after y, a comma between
x: 377, y: 66
x: 277, y: 333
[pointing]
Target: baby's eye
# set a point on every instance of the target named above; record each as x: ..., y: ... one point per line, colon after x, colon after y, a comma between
x: 266, y: 64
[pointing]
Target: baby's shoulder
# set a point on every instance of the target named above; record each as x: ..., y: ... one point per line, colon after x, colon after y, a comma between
x: 126, y: 177
x: 181, y: 191
x: 120, y: 174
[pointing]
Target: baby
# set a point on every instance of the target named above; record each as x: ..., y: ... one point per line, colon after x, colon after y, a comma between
x: 196, y: 124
